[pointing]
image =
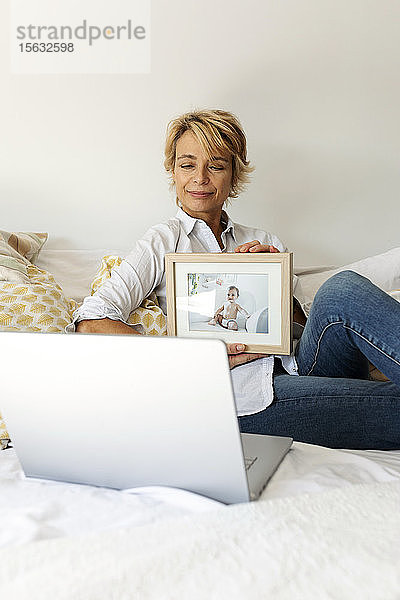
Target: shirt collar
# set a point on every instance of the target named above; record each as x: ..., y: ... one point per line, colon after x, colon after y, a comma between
x: 229, y: 225
x: 189, y: 222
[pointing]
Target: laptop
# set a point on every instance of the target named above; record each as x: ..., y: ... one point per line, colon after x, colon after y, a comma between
x: 122, y: 411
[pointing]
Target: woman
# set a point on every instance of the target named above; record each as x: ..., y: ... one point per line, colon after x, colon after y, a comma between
x: 352, y: 321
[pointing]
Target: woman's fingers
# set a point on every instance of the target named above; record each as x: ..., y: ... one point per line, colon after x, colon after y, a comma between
x: 236, y: 356
x: 255, y: 246
x: 246, y: 247
x: 263, y: 248
x: 240, y: 359
x: 235, y: 348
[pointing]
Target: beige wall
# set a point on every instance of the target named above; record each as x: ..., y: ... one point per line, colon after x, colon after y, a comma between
x: 315, y: 83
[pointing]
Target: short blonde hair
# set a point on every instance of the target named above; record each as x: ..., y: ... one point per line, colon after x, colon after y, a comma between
x: 215, y: 130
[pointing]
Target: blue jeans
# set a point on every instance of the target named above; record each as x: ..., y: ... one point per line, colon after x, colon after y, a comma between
x: 332, y: 402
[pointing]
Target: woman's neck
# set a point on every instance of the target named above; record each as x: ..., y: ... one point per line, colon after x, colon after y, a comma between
x: 212, y: 220
x: 217, y: 229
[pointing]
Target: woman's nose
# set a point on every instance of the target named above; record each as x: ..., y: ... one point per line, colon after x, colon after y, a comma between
x: 201, y: 175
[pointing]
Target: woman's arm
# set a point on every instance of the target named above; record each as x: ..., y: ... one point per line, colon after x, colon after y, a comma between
x: 108, y: 310
x: 104, y: 326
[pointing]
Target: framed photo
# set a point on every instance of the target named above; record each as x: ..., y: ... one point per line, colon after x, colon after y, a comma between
x: 244, y: 298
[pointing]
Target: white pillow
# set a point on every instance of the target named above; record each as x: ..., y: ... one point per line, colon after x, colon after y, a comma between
x: 383, y: 270
x: 396, y: 295
x: 74, y: 270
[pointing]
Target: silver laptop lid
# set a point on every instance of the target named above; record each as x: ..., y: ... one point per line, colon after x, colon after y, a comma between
x: 121, y: 411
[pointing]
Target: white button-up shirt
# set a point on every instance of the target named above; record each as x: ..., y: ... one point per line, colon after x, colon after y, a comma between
x: 142, y: 272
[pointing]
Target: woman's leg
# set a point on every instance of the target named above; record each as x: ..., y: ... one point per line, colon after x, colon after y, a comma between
x: 351, y: 321
x: 331, y: 411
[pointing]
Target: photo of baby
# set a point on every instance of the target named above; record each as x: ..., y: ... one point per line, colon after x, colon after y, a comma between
x: 237, y: 302
x: 227, y: 313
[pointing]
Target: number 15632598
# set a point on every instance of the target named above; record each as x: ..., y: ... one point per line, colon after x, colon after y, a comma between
x: 47, y: 47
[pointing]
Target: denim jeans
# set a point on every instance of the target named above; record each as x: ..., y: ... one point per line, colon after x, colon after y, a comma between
x: 332, y: 402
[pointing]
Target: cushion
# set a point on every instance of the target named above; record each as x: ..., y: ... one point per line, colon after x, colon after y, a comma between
x: 4, y: 437
x: 17, y: 250
x: 148, y: 318
x: 74, y: 269
x: 30, y: 299
x: 38, y: 305
x: 383, y: 270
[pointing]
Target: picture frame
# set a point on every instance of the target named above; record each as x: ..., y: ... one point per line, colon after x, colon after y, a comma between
x: 236, y: 297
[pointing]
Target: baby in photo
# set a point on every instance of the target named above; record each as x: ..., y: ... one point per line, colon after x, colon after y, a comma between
x: 227, y: 313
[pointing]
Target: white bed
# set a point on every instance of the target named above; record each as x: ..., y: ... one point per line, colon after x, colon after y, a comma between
x: 326, y: 526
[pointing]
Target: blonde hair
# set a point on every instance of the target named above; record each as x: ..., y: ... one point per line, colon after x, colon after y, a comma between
x: 215, y: 130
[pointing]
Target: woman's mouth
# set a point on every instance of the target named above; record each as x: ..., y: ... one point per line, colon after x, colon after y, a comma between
x: 200, y: 194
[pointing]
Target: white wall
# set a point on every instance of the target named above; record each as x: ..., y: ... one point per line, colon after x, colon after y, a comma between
x: 314, y: 82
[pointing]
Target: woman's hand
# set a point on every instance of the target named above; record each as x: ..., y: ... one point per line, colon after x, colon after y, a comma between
x: 237, y: 357
x: 255, y: 246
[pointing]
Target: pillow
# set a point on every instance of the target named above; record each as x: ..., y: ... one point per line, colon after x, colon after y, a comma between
x: 383, y: 270
x: 148, y: 317
x: 4, y: 437
x: 38, y: 305
x: 74, y: 269
x: 30, y: 299
x: 17, y: 250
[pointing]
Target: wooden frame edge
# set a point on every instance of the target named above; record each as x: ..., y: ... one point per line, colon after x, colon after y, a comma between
x: 286, y: 260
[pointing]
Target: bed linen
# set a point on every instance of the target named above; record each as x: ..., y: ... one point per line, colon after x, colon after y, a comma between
x: 32, y: 510
x: 337, y: 544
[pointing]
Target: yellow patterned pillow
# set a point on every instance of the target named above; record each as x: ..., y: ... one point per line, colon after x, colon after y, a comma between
x: 39, y: 305
x: 4, y: 437
x: 149, y: 315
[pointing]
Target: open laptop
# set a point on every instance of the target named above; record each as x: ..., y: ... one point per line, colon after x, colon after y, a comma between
x: 121, y: 411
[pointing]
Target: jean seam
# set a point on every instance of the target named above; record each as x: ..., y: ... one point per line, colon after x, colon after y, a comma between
x: 357, y: 333
x: 372, y: 344
x: 368, y: 397
x: 319, y: 343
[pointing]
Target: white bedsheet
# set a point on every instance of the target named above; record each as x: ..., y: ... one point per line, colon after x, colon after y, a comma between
x: 32, y: 510
x: 337, y: 545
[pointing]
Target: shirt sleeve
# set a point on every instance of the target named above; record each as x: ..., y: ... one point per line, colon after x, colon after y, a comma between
x: 132, y: 281
x: 273, y: 240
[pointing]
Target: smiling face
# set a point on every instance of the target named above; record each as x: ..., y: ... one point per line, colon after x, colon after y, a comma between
x: 202, y: 185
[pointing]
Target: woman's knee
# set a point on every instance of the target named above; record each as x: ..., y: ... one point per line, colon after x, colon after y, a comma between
x: 342, y: 287
x: 344, y: 279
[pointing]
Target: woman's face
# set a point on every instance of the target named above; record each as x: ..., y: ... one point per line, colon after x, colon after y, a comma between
x: 202, y: 185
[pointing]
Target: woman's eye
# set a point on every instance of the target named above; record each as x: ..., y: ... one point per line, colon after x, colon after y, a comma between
x: 213, y: 167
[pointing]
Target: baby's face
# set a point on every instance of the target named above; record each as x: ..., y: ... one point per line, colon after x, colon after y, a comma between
x: 232, y: 295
